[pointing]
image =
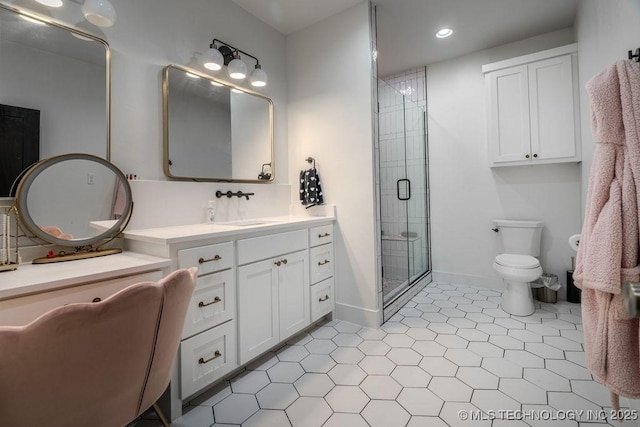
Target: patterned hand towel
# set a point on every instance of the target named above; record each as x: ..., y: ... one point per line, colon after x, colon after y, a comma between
x: 310, y: 189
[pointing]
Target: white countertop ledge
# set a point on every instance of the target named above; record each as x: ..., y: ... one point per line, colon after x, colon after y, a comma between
x: 36, y: 278
x: 233, y: 229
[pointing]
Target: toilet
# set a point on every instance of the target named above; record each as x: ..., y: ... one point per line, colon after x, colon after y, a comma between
x: 517, y: 264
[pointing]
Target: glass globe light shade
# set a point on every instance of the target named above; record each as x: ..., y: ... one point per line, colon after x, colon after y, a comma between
x: 99, y: 12
x: 237, y: 69
x: 50, y: 3
x: 212, y: 59
x: 258, y: 77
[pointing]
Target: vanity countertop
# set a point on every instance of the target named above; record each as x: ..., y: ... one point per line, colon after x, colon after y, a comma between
x: 37, y: 278
x: 234, y: 229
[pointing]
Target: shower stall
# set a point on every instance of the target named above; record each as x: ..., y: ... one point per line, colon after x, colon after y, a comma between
x: 403, y: 187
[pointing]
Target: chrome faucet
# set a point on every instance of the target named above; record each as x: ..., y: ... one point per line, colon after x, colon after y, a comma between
x: 230, y: 194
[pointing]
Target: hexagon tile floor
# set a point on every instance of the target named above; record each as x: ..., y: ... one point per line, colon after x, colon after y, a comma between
x: 450, y: 353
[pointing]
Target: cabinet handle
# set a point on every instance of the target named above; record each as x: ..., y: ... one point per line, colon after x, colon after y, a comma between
x: 535, y: 155
x: 215, y: 301
x: 97, y: 299
x: 527, y: 156
x: 278, y: 263
x: 326, y: 261
x: 326, y: 297
x: 215, y: 258
x: 202, y: 360
x: 320, y: 236
x: 284, y: 261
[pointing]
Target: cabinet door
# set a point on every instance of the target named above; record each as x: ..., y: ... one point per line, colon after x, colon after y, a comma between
x: 508, y: 127
x: 258, y: 321
x: 552, y: 108
x: 293, y: 279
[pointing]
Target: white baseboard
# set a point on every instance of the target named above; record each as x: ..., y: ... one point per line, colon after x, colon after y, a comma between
x: 467, y: 279
x: 358, y: 315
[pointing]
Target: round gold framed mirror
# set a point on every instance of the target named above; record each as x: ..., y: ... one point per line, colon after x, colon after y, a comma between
x: 74, y: 200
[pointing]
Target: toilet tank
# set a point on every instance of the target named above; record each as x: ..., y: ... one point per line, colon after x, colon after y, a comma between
x: 519, y: 237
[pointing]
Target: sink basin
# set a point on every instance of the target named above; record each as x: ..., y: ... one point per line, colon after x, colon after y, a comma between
x: 250, y: 222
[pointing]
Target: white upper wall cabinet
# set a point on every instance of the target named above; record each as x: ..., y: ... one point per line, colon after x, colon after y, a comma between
x: 532, y: 108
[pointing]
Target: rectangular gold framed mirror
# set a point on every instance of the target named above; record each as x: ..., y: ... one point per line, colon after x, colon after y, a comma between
x: 54, y: 93
x: 214, y: 131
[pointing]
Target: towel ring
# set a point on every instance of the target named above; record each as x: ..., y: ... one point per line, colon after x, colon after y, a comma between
x: 311, y: 159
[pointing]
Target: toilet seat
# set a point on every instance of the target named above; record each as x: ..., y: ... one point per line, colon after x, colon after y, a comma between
x: 525, y: 262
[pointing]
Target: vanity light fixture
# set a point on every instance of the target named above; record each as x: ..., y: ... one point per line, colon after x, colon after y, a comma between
x: 237, y: 68
x: 258, y: 77
x: 443, y: 33
x: 212, y: 59
x: 220, y: 54
x: 50, y: 3
x: 99, y: 12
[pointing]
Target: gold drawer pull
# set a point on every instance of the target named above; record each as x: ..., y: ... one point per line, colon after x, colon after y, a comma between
x: 215, y: 301
x: 202, y: 361
x: 326, y: 297
x: 326, y: 261
x: 320, y: 236
x: 215, y: 258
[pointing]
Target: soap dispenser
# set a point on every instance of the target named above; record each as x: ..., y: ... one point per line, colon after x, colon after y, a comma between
x: 211, y: 211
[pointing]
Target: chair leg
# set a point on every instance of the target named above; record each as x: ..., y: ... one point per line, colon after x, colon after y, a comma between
x: 163, y: 418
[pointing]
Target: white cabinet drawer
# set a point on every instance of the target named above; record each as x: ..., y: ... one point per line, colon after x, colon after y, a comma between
x: 206, y: 357
x: 321, y: 262
x: 207, y: 258
x: 322, y: 300
x: 259, y: 248
x: 20, y: 311
x: 320, y: 235
x: 213, y: 302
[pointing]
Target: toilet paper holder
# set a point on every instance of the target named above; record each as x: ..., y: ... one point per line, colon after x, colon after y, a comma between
x: 631, y: 294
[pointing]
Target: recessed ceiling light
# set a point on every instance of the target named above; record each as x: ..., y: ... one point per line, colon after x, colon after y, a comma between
x: 444, y: 33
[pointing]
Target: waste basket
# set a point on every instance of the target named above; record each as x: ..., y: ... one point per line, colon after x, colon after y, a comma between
x: 548, y: 292
x: 574, y: 294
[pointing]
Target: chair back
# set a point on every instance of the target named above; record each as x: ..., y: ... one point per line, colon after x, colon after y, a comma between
x: 90, y: 364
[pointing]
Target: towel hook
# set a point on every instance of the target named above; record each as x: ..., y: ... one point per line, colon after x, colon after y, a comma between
x: 635, y: 56
x: 311, y: 159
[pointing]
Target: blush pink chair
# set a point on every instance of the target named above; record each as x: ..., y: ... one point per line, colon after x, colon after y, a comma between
x: 94, y: 364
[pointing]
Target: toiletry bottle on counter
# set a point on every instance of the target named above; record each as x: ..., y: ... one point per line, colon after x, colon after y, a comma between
x: 211, y: 211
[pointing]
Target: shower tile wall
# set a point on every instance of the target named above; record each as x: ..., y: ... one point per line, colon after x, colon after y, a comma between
x: 396, y: 253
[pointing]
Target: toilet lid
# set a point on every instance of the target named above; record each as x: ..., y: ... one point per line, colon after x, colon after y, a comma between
x: 517, y: 261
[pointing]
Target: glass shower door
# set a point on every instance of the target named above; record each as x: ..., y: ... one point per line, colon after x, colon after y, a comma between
x: 403, y: 193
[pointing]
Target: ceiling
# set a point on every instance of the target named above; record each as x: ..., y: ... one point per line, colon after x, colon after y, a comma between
x: 406, y: 27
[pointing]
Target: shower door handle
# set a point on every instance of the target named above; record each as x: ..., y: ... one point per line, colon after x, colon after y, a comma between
x: 408, y: 189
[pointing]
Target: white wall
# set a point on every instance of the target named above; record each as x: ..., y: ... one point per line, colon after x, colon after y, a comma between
x: 605, y: 32
x: 466, y: 194
x: 330, y: 119
x: 149, y: 34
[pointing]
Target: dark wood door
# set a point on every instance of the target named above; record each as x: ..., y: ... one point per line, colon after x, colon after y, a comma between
x: 19, y: 143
